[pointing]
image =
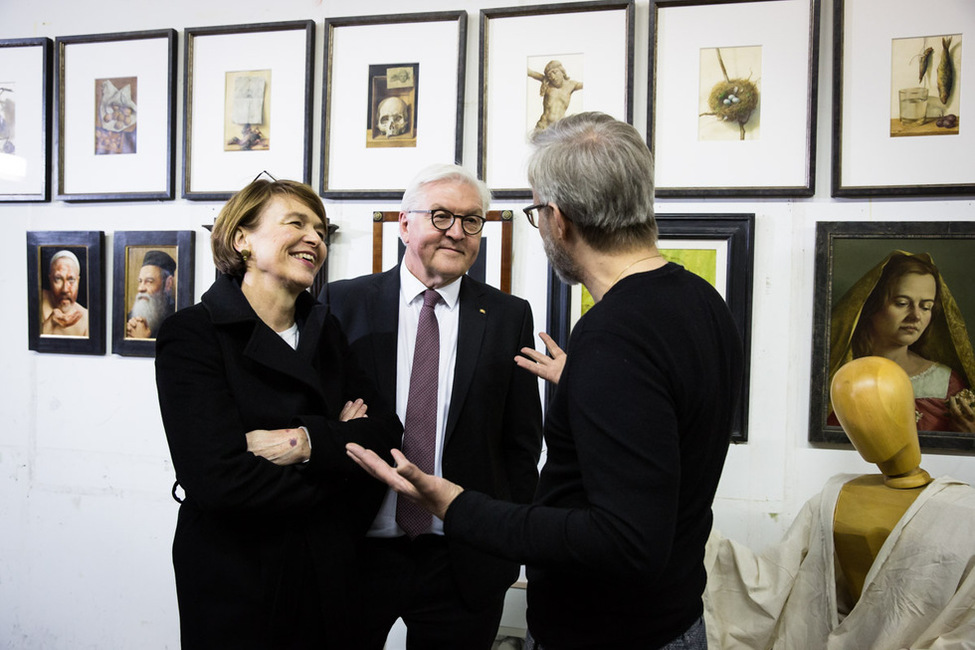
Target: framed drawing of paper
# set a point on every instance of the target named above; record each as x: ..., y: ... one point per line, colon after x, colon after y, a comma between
x: 114, y: 106
x: 247, y: 106
x: 393, y: 100
x: 65, y: 297
x: 25, y: 118
x: 539, y: 64
x: 153, y: 278
x: 493, y: 263
x: 717, y: 247
x: 732, y: 108
x: 900, y: 99
x: 901, y: 290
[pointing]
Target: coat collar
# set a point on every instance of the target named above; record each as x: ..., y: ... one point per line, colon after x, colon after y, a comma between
x: 228, y: 307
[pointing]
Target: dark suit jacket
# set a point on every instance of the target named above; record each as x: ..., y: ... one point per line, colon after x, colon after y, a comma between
x: 254, y: 539
x: 494, y: 425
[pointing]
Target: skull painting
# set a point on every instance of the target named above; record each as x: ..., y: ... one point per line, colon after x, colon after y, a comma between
x: 394, y: 116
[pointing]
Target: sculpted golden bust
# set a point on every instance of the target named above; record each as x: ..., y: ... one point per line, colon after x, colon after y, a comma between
x: 874, y: 403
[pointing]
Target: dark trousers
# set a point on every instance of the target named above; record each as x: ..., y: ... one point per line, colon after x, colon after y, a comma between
x: 412, y: 580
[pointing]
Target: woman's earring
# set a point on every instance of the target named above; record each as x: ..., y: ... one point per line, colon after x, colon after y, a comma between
x: 245, y: 255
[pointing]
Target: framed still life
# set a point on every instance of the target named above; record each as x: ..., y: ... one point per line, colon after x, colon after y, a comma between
x: 114, y: 105
x: 900, y: 290
x: 247, y: 100
x: 539, y: 64
x: 717, y: 247
x: 65, y: 297
x: 153, y: 278
x: 900, y: 98
x: 733, y: 94
x: 393, y: 100
x: 25, y: 118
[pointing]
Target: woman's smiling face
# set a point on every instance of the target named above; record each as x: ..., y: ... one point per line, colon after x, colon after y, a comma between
x: 288, y: 245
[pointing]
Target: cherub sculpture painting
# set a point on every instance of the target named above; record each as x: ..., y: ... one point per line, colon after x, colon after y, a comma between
x: 556, y: 89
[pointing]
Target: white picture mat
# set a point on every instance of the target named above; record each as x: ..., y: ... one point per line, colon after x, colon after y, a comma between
x: 719, y: 246
x: 283, y: 52
x: 511, y: 41
x: 869, y: 156
x: 354, y: 48
x: 24, y: 67
x: 144, y: 171
x: 779, y: 158
x: 491, y: 235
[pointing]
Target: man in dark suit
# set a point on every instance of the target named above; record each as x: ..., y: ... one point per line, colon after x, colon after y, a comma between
x: 487, y: 412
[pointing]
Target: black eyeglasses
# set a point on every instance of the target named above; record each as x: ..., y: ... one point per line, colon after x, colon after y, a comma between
x: 443, y: 220
x: 265, y: 173
x: 531, y: 212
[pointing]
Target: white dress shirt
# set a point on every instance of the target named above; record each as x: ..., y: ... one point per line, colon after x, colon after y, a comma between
x: 448, y: 318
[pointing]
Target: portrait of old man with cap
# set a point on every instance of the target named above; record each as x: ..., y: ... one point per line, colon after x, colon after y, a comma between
x: 61, y: 313
x: 155, y: 298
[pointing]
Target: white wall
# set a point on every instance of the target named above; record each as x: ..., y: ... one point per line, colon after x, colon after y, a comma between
x: 85, y: 515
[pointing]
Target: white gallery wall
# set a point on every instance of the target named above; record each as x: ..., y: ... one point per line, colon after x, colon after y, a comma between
x: 86, y: 517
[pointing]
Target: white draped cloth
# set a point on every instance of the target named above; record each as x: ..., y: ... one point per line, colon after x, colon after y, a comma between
x: 919, y: 593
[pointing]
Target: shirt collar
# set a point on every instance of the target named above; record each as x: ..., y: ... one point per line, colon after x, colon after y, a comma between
x: 411, y: 288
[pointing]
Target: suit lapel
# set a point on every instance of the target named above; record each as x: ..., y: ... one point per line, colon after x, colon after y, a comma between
x: 470, y: 332
x: 383, y: 306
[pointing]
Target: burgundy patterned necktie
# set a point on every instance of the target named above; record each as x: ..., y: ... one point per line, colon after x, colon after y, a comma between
x: 420, y: 428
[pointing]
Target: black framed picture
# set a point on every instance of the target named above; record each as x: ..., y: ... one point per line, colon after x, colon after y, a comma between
x: 900, y: 290
x: 247, y: 105
x: 718, y: 247
x: 115, y: 104
x: 25, y: 119
x: 153, y: 278
x: 65, y: 296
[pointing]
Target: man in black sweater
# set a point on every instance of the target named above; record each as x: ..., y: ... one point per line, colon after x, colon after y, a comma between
x: 639, y: 426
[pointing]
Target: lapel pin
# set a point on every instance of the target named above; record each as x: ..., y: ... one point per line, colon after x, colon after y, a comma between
x: 482, y: 311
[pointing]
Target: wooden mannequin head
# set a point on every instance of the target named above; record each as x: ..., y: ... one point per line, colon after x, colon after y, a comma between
x: 874, y: 402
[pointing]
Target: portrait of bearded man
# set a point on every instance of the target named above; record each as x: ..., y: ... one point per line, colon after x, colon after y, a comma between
x: 154, y: 300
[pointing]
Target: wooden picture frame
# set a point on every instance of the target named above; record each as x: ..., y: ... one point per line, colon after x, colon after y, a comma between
x: 493, y: 263
x: 850, y: 262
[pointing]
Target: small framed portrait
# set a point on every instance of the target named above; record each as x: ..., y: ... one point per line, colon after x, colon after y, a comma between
x: 65, y: 298
x: 153, y: 278
x: 392, y: 105
x: 902, y: 291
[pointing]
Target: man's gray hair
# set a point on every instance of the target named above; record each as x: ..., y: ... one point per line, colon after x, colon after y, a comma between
x: 443, y: 172
x: 599, y: 172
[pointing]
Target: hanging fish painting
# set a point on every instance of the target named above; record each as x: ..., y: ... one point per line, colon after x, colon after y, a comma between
x: 925, y: 78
